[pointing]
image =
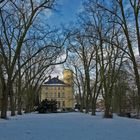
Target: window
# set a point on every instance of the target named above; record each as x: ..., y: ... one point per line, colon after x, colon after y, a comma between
x: 63, y: 94
x: 54, y: 94
x: 46, y: 94
x: 58, y: 95
x: 58, y: 87
x: 50, y: 94
x: 63, y: 103
x: 58, y: 104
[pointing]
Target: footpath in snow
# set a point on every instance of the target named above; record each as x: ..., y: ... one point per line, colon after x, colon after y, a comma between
x: 68, y: 126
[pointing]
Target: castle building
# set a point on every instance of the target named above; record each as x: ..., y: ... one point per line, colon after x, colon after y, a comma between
x: 61, y: 91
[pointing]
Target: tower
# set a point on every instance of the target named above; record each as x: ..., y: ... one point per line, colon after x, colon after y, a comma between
x: 68, y: 77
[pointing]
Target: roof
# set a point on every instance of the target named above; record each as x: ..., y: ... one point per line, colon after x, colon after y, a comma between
x: 54, y: 81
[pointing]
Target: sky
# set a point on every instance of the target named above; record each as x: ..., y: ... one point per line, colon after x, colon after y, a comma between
x: 65, y: 12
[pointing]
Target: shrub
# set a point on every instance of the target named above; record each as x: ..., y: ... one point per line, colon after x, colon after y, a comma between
x: 47, y: 106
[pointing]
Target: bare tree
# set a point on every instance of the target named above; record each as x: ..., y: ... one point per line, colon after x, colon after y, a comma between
x: 80, y: 46
x: 18, y: 26
x: 74, y: 63
x: 126, y: 17
x: 104, y: 36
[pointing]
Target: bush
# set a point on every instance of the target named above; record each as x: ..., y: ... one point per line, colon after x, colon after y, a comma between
x: 77, y: 106
x: 47, y: 106
x: 69, y: 110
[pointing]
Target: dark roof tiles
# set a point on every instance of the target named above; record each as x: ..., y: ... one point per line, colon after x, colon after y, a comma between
x: 54, y: 80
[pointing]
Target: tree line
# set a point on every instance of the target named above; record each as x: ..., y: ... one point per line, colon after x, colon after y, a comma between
x: 104, y: 55
x: 29, y: 50
x: 102, y: 48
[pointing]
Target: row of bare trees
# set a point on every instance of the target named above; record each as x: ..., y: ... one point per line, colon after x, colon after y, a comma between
x: 108, y: 35
x: 29, y: 50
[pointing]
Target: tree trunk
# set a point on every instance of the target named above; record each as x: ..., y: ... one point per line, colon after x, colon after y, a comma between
x: 19, y: 93
x: 19, y: 108
x: 12, y: 103
x: 11, y: 95
x: 93, y: 107
x: 107, y: 113
x: 87, y: 78
x: 4, y: 103
x: 87, y: 104
x: 138, y: 110
x: 81, y: 104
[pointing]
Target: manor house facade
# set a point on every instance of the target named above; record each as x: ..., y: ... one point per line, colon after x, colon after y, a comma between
x: 60, y: 90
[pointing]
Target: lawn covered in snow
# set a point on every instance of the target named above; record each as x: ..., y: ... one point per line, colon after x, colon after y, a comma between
x: 68, y: 126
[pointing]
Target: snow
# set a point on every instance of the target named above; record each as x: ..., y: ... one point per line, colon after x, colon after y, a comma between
x: 68, y: 126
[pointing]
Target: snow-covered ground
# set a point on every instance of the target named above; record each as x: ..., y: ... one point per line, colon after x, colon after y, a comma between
x: 68, y: 126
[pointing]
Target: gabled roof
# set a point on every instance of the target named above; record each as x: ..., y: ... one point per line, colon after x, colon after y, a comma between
x: 54, y: 81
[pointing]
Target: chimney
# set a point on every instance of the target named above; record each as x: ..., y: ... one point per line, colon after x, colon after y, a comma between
x: 49, y: 77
